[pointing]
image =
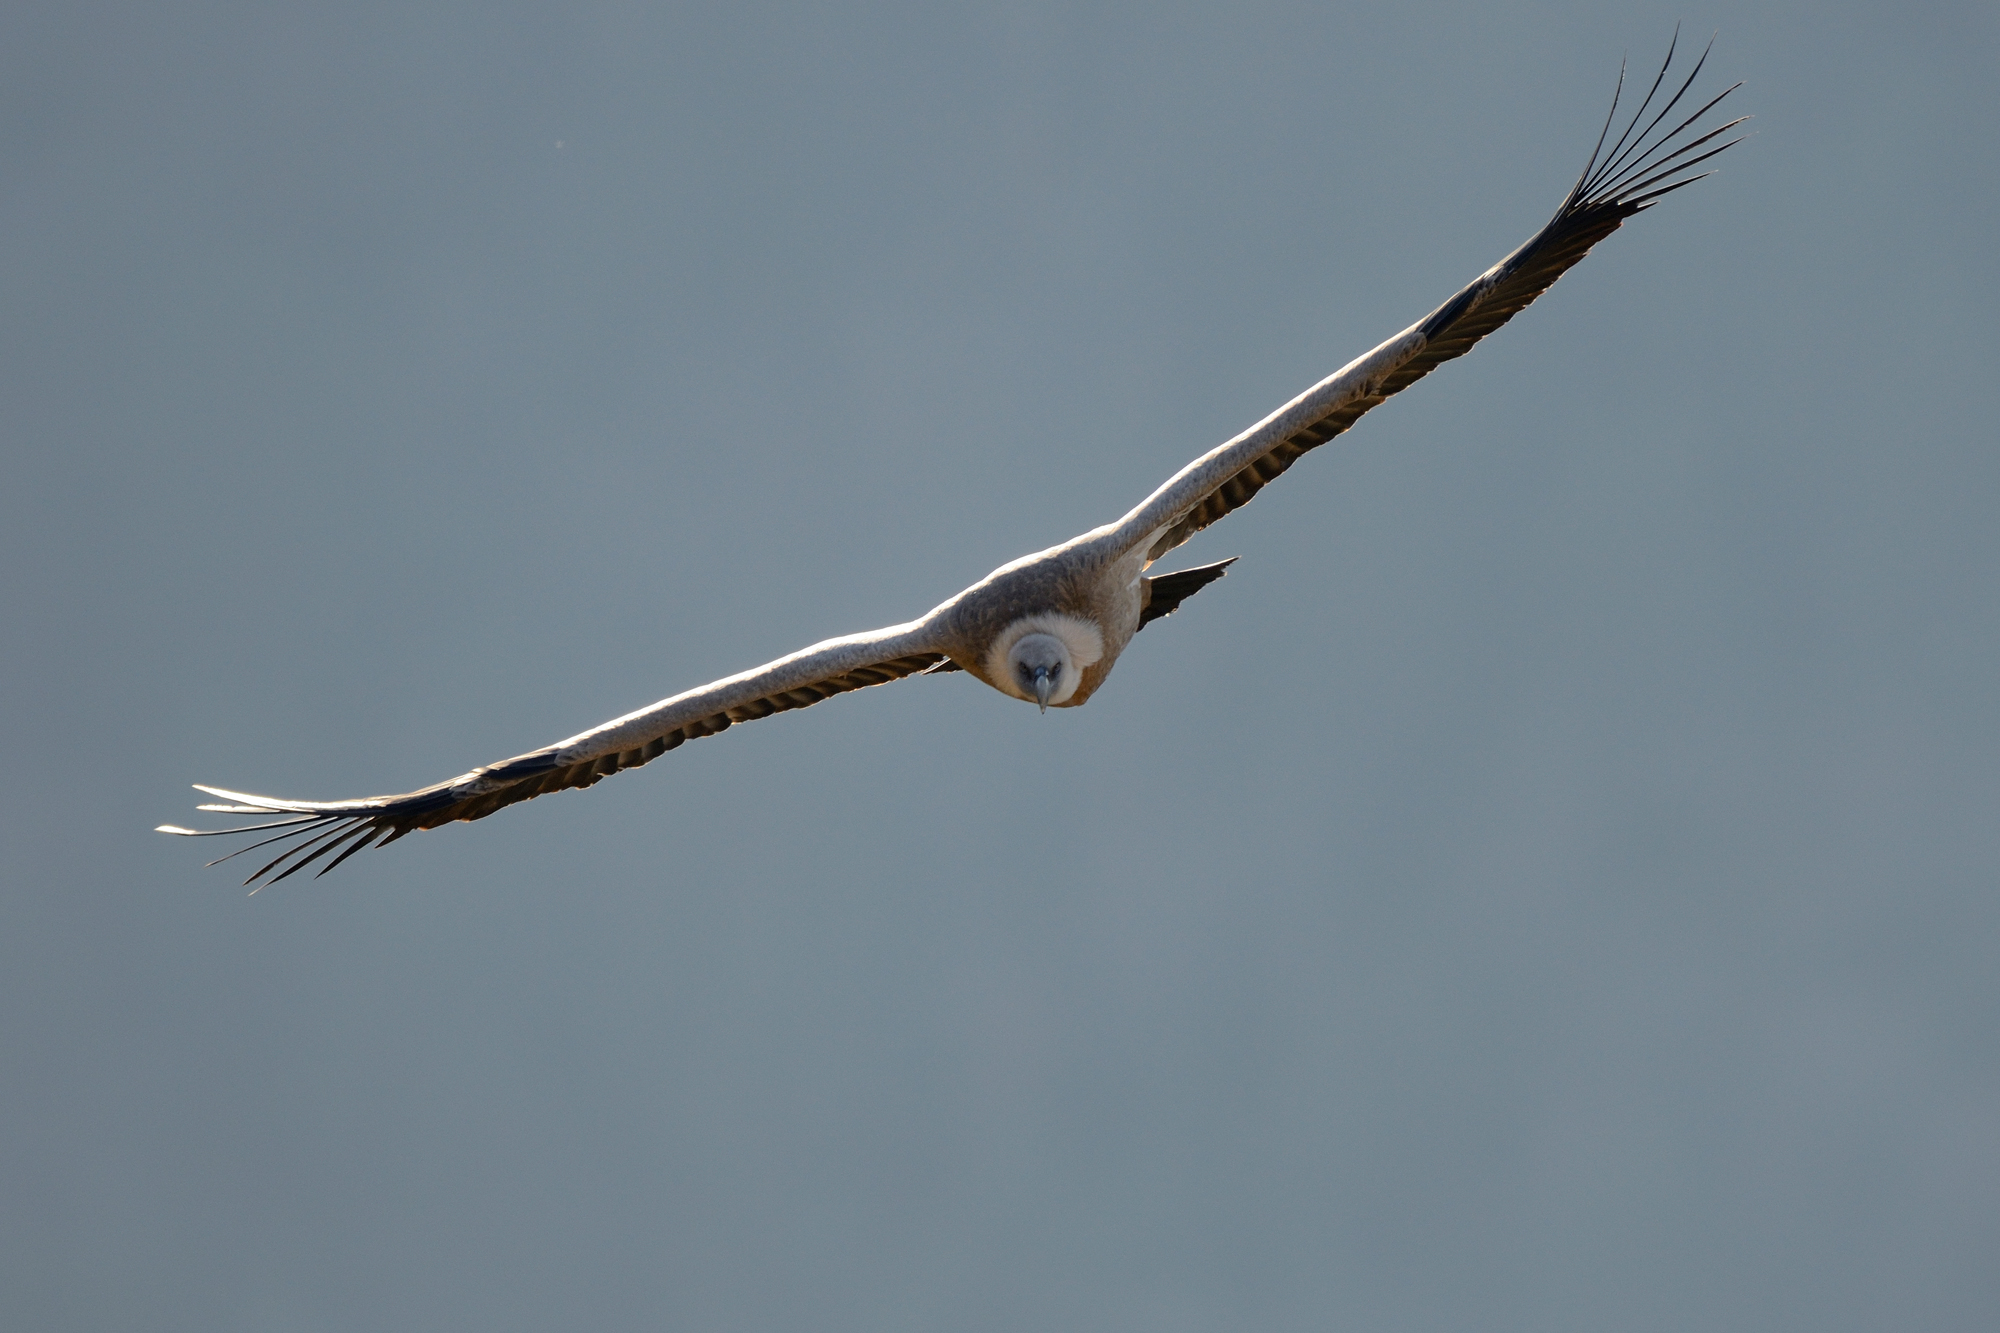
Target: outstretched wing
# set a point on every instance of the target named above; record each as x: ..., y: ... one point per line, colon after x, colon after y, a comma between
x: 310, y: 830
x: 1641, y: 166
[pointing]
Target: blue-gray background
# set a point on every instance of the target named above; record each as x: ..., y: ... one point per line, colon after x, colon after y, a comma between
x: 1549, y: 885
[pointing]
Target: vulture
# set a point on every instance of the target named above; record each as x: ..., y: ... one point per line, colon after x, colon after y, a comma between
x: 1046, y: 628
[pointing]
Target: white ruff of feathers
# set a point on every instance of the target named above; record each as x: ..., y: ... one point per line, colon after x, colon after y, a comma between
x: 1083, y: 640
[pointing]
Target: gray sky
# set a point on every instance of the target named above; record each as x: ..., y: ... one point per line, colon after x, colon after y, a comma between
x: 1550, y: 884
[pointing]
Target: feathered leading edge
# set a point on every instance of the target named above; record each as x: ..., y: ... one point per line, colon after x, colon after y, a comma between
x: 339, y: 829
x: 1641, y: 166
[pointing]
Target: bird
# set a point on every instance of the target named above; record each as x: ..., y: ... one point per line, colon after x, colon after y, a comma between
x: 1049, y: 627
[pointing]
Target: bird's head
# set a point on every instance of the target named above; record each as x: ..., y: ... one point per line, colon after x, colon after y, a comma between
x: 1041, y: 668
x: 1042, y: 658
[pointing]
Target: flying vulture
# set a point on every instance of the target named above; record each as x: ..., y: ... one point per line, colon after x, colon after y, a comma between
x: 1048, y: 627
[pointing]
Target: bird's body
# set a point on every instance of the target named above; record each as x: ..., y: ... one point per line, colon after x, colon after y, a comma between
x: 1089, y: 599
x: 1047, y: 628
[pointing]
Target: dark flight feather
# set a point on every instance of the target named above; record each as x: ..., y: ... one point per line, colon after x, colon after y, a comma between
x: 1166, y: 592
x: 1612, y: 187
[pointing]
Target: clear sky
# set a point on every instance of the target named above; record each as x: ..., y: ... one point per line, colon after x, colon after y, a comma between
x: 1550, y: 884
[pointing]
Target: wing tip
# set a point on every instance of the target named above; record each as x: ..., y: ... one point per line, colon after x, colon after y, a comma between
x: 1613, y: 179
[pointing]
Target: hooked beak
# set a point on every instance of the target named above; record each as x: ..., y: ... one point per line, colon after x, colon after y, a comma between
x: 1042, y: 687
